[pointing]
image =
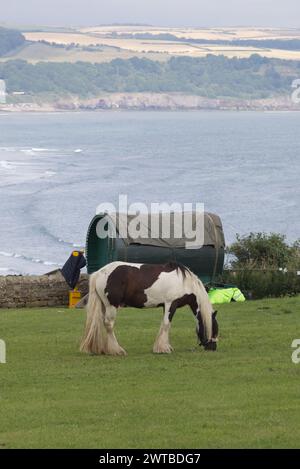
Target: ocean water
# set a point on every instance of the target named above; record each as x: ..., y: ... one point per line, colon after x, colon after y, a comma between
x: 55, y: 169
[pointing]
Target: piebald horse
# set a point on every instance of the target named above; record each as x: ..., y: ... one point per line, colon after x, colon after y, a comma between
x: 169, y: 285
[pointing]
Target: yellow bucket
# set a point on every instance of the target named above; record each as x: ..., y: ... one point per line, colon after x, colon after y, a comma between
x: 74, y: 298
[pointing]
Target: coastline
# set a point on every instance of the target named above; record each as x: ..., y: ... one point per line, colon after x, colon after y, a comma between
x: 150, y: 101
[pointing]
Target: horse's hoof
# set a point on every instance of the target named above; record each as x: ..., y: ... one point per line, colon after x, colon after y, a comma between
x: 115, y: 352
x: 212, y: 346
x: 120, y: 352
x: 165, y: 349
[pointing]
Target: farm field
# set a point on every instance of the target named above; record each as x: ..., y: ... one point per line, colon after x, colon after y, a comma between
x: 120, y: 42
x: 245, y: 395
x: 198, y: 33
x: 35, y: 52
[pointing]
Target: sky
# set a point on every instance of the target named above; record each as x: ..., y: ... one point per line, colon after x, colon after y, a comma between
x: 194, y: 13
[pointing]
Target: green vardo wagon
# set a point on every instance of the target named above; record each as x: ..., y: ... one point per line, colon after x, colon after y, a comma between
x: 205, y: 261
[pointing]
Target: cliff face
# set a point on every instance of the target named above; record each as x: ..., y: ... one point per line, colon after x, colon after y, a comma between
x: 154, y: 101
x: 174, y: 101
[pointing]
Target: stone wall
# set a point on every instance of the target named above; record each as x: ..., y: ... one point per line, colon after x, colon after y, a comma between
x: 17, y: 291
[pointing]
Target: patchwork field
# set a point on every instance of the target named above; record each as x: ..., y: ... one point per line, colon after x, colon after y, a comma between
x: 200, y: 33
x: 35, y: 52
x: 245, y: 395
x: 126, y: 41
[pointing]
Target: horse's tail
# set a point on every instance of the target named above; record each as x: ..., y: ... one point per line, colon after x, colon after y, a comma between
x: 93, y: 341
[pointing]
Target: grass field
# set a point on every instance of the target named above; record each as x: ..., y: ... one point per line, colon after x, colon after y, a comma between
x: 245, y: 395
x: 117, y: 46
x: 38, y: 52
x: 119, y: 41
x: 110, y: 49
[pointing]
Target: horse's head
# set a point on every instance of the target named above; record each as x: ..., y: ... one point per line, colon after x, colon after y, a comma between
x: 209, y: 343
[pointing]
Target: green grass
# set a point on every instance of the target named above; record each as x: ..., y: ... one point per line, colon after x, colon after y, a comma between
x: 245, y: 395
x: 38, y: 52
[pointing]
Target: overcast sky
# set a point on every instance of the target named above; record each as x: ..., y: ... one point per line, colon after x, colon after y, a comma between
x: 157, y: 12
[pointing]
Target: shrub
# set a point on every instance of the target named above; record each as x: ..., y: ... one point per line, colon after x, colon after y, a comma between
x: 262, y: 250
x: 264, y: 265
x: 257, y: 284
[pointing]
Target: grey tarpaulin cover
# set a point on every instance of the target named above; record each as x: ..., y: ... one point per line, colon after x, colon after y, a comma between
x: 179, y: 234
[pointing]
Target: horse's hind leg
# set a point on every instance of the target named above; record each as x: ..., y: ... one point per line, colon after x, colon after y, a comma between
x: 111, y: 347
x: 162, y: 344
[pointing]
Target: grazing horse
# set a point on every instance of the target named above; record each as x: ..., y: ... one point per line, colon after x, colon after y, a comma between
x: 169, y: 285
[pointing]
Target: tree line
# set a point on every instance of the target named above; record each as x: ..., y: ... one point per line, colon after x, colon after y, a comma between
x: 9, y: 40
x: 210, y: 76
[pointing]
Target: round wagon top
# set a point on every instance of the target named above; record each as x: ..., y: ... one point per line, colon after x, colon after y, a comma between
x: 161, y: 229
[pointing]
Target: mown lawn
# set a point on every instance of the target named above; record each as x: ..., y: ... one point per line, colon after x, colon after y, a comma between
x: 245, y: 395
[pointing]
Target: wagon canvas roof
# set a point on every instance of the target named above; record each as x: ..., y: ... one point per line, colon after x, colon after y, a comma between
x: 123, y: 223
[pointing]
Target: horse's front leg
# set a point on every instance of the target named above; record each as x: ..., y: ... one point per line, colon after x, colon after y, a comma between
x: 162, y: 344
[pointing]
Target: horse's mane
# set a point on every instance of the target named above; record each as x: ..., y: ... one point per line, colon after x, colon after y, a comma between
x: 187, y: 273
x: 179, y: 267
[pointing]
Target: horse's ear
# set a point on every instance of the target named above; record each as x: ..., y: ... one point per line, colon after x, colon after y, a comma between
x: 214, y: 314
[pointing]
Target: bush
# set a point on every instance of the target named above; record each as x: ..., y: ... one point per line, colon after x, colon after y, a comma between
x: 261, y: 250
x: 257, y: 284
x: 264, y: 265
x: 294, y: 261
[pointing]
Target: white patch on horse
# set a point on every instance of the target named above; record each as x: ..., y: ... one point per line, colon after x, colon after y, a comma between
x: 168, y: 286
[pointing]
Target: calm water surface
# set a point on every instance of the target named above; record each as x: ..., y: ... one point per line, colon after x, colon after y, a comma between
x: 56, y: 168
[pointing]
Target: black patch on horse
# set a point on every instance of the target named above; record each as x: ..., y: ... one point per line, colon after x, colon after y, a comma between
x: 208, y: 344
x: 215, y: 325
x: 185, y: 300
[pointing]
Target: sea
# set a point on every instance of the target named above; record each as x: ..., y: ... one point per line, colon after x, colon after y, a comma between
x: 57, y: 168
